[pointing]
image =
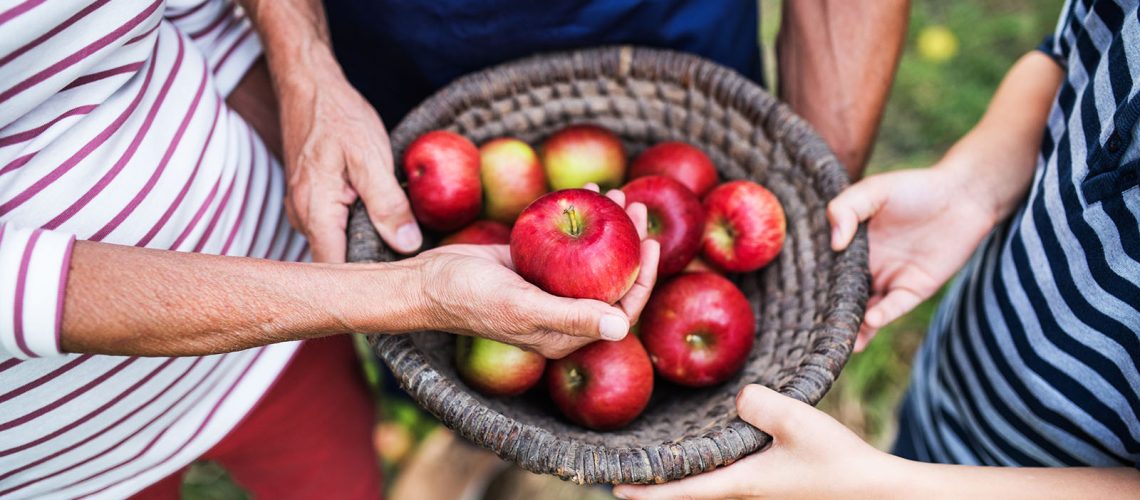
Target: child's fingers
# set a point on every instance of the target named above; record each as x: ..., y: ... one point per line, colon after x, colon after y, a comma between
x: 896, y: 303
x: 854, y: 205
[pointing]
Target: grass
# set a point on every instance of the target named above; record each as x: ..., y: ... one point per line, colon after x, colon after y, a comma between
x: 933, y: 102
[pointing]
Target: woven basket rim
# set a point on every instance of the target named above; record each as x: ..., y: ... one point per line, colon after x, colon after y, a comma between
x: 519, y: 442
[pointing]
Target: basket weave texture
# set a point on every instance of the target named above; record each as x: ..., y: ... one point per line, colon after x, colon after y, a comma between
x: 808, y: 303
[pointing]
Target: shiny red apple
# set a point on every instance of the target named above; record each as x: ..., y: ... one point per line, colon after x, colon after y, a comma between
x: 442, y: 168
x: 480, y: 232
x: 497, y: 369
x: 581, y: 154
x: 687, y: 164
x: 604, y: 385
x: 744, y: 226
x: 512, y: 178
x: 698, y: 329
x: 676, y: 219
x: 577, y: 243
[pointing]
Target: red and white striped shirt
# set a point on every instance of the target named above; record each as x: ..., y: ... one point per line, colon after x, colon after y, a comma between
x: 114, y: 128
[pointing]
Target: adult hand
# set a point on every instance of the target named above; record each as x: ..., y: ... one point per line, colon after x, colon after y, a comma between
x: 474, y: 290
x: 924, y: 224
x: 811, y: 456
x: 335, y: 149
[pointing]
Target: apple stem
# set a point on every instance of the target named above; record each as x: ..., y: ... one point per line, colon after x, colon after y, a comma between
x: 573, y: 225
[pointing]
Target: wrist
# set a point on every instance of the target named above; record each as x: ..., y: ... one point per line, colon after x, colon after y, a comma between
x: 375, y: 298
x: 968, y: 173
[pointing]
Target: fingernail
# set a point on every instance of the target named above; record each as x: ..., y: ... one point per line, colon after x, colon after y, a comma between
x: 408, y: 237
x: 619, y: 492
x: 613, y: 327
x: 834, y: 236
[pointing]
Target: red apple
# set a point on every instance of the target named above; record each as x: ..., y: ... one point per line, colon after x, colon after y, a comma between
x: 698, y: 329
x: 497, y: 369
x: 580, y: 154
x: 676, y: 219
x: 744, y: 226
x: 480, y: 232
x: 687, y: 164
x: 604, y: 385
x: 577, y: 243
x: 512, y: 178
x: 443, y: 180
x: 698, y: 265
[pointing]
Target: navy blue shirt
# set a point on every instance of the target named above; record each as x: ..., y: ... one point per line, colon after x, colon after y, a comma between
x: 398, y: 52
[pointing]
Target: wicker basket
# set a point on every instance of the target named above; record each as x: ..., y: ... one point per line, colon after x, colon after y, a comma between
x: 808, y: 303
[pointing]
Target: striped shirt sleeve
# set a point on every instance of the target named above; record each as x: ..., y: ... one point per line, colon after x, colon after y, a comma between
x: 33, y: 274
x: 222, y: 32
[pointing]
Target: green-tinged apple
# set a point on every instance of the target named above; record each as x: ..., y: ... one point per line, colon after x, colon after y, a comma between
x: 698, y: 329
x: 683, y: 162
x: 676, y: 219
x: 744, y: 226
x: 512, y: 178
x: 480, y: 232
x: 442, y: 168
x: 602, y: 386
x: 580, y: 154
x: 497, y: 369
x: 577, y: 243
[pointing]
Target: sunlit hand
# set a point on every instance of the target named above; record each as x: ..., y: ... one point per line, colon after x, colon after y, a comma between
x: 811, y: 456
x: 924, y: 225
x: 473, y: 290
x: 335, y: 148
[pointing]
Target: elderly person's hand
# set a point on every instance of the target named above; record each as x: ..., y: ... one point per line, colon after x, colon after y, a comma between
x: 335, y: 149
x: 473, y: 290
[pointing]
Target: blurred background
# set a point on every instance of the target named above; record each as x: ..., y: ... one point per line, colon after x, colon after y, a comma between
x: 956, y: 53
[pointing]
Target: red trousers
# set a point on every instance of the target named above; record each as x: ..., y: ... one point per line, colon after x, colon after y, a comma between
x: 310, y: 436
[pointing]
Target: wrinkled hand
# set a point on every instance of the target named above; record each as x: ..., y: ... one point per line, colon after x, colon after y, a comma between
x: 924, y: 225
x: 811, y: 456
x: 474, y: 290
x: 336, y: 148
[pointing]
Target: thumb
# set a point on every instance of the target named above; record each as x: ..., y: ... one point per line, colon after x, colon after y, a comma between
x: 386, y: 203
x: 775, y: 413
x: 582, y: 318
x: 855, y: 204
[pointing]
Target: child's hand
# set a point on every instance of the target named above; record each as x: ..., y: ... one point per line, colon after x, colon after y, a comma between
x: 811, y: 456
x: 924, y: 224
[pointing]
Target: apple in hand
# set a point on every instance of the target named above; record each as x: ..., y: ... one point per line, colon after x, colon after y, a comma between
x: 581, y: 154
x: 577, y: 243
x: 443, y: 180
x: 512, y: 178
x: 744, y: 226
x: 698, y: 329
x: 676, y: 219
x: 497, y: 369
x: 683, y: 162
x: 604, y: 385
x: 480, y: 232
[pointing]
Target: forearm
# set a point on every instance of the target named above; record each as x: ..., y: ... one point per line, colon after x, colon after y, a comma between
x: 999, y: 155
x: 837, y: 59
x: 133, y: 301
x: 296, y: 39
x: 922, y: 480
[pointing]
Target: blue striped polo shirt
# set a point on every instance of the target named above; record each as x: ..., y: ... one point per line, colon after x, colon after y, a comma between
x: 1032, y: 357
